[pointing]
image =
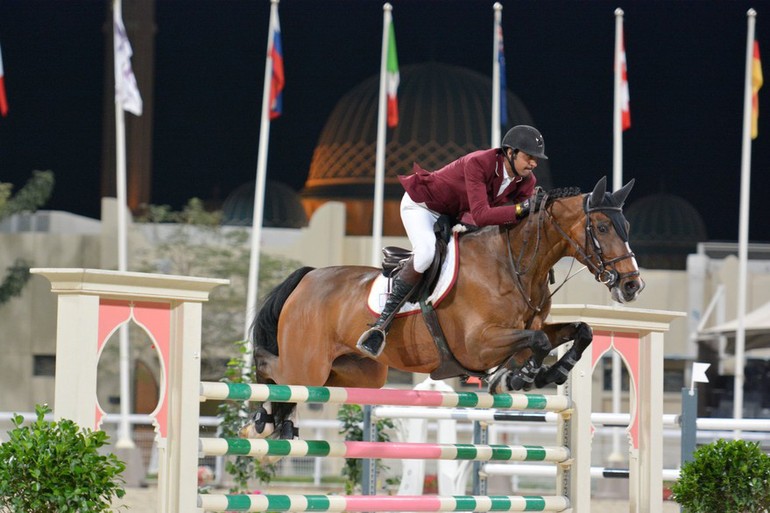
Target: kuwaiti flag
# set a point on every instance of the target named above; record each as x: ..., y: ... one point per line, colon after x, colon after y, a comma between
x: 501, y: 63
x: 392, y: 78
x: 277, y: 79
x: 625, y: 111
x: 126, y: 91
x: 756, y: 83
x: 3, y: 99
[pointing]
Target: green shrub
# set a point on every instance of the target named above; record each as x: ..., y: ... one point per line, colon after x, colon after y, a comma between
x: 725, y: 477
x: 56, y: 467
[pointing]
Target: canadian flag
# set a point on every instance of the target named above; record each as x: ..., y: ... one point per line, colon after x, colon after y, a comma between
x: 625, y: 112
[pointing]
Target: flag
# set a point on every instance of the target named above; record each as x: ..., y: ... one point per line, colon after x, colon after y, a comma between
x: 501, y: 62
x: 126, y: 91
x: 625, y: 112
x: 3, y: 99
x: 277, y: 80
x: 392, y: 78
x: 699, y: 372
x: 756, y: 83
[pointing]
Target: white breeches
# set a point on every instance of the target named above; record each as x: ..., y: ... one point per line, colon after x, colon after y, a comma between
x: 418, y: 221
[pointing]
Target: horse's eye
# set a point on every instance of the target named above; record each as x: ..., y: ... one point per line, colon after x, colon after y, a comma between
x: 603, y: 228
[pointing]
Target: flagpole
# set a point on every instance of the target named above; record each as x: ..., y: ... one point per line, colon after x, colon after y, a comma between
x: 124, y: 428
x: 743, y: 228
x: 379, y: 164
x: 617, y: 128
x: 495, y: 130
x: 259, y: 193
x: 615, y: 455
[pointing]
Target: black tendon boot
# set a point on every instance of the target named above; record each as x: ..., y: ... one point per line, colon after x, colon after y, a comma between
x: 372, y: 342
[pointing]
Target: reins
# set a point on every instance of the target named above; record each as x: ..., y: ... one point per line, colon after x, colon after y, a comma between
x: 600, y: 271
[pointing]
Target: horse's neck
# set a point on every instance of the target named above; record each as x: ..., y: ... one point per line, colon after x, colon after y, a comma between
x: 536, y: 245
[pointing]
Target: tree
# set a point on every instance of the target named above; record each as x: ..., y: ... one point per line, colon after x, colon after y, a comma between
x: 29, y: 198
x: 193, y: 242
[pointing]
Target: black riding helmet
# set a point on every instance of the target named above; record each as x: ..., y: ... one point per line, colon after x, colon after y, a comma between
x: 525, y: 138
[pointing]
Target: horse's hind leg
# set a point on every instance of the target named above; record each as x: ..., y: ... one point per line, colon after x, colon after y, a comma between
x: 559, y: 334
x: 271, y: 418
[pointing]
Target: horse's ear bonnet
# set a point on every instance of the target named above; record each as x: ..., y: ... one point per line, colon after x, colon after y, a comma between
x: 611, y: 203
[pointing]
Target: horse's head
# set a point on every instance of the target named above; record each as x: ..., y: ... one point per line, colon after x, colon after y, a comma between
x: 605, y: 249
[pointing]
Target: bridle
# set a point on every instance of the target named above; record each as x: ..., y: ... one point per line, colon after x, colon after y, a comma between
x: 603, y: 270
x: 595, y: 258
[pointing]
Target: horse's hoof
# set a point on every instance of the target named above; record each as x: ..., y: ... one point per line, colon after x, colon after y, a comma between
x: 261, y: 419
x: 260, y: 425
x: 522, y: 379
x: 288, y: 431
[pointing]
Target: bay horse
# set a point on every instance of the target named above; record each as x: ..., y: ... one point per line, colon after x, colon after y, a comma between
x: 494, y: 318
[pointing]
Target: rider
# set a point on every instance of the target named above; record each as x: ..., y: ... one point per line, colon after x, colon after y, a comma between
x: 485, y: 187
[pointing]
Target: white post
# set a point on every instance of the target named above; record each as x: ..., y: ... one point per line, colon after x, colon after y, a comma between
x: 617, y: 129
x: 259, y: 188
x: 638, y: 334
x: 124, y: 428
x: 495, y: 129
x: 379, y: 164
x: 171, y: 309
x: 743, y: 227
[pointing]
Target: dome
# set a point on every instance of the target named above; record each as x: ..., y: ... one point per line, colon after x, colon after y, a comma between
x: 444, y: 111
x: 665, y: 228
x: 282, y: 209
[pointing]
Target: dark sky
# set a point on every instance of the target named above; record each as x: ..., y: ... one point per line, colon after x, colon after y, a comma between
x: 685, y: 68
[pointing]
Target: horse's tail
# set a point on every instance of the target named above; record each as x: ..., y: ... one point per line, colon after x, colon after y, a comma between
x: 264, y: 329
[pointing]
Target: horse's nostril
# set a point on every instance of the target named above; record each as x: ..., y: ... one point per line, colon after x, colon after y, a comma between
x: 632, y: 286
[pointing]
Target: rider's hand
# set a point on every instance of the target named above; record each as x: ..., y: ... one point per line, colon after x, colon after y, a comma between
x: 522, y: 209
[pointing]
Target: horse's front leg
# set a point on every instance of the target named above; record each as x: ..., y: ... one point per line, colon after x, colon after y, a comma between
x: 559, y: 334
x: 508, y: 378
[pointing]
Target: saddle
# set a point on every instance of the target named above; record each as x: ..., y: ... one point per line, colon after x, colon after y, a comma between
x: 393, y: 259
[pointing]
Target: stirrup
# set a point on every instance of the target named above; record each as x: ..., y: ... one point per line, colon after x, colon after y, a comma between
x: 360, y: 345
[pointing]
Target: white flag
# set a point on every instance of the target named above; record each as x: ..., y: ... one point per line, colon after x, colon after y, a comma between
x: 699, y: 372
x: 126, y: 91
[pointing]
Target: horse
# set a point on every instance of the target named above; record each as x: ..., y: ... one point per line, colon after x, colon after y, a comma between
x: 494, y: 318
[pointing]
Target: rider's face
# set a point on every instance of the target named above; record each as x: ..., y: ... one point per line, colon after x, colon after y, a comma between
x: 524, y: 163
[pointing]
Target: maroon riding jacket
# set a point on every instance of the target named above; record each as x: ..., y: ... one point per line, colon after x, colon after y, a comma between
x: 467, y: 189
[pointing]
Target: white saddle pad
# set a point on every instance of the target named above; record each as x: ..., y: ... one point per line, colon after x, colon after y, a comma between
x: 378, y: 294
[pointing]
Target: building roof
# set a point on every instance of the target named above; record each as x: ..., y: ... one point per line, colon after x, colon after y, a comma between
x: 445, y: 112
x: 665, y: 228
x: 282, y: 209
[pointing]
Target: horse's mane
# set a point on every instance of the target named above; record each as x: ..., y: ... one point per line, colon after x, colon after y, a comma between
x: 562, y: 192
x: 553, y: 194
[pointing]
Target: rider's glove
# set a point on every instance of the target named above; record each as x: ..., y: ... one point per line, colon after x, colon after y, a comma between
x: 522, y: 209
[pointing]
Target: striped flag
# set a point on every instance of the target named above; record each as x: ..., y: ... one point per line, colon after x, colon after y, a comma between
x: 756, y: 84
x: 126, y: 91
x: 501, y: 62
x: 393, y: 78
x: 277, y: 80
x: 3, y: 99
x: 625, y: 112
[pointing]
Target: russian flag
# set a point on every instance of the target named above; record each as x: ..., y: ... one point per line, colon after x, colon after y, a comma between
x: 277, y: 78
x: 501, y: 61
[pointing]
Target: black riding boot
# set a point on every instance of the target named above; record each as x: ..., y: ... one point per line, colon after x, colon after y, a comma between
x: 372, y: 342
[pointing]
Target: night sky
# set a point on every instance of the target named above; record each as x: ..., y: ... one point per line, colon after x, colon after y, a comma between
x: 685, y: 68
